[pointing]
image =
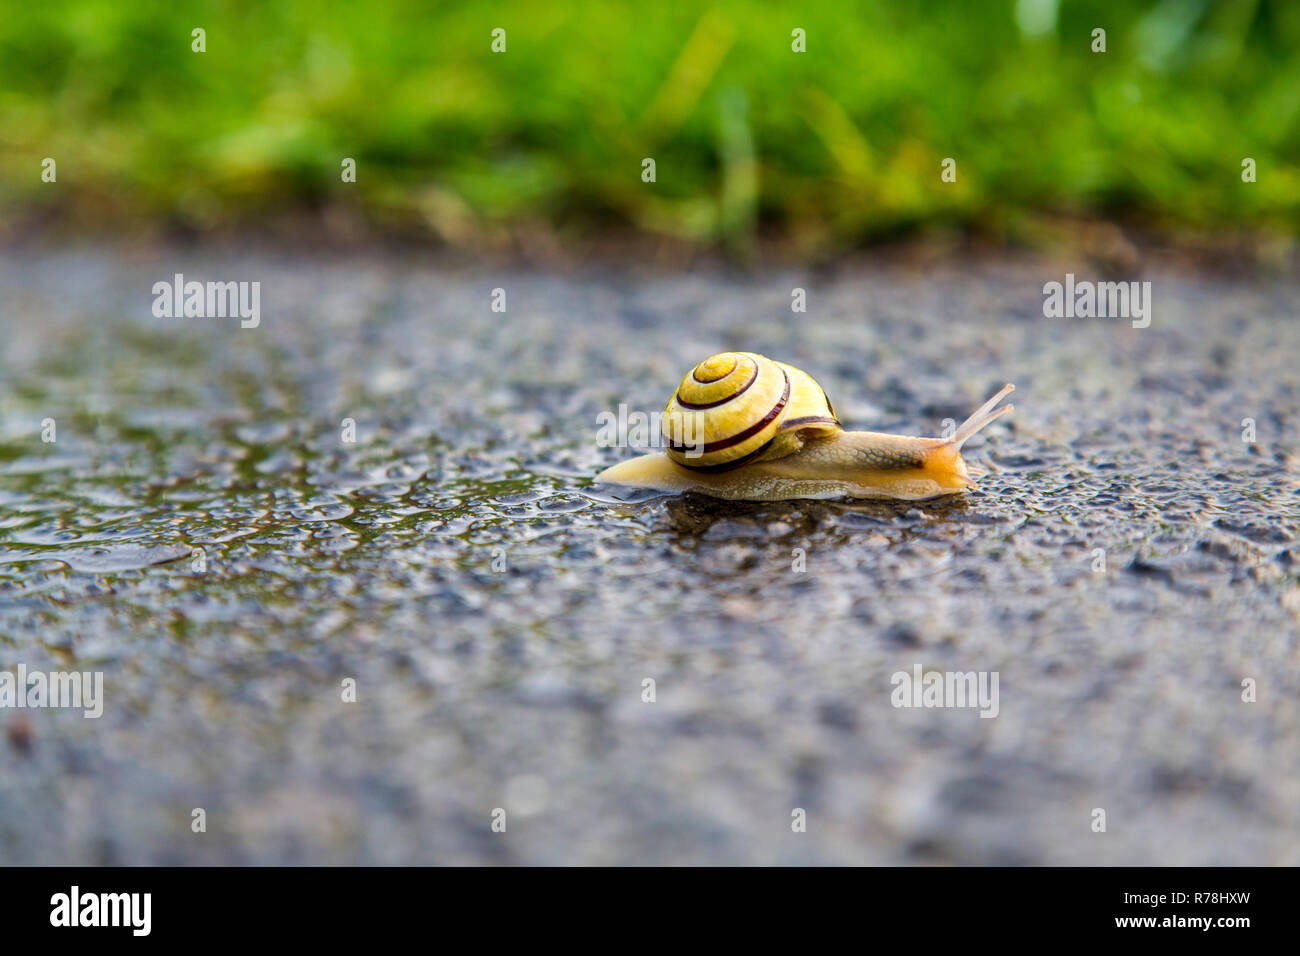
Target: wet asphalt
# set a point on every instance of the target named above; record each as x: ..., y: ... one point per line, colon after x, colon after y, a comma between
x: 202, y: 532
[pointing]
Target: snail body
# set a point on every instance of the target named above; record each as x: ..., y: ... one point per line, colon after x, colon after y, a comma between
x: 744, y: 427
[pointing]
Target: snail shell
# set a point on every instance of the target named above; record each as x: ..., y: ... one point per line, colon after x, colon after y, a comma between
x: 738, y: 407
x: 742, y: 426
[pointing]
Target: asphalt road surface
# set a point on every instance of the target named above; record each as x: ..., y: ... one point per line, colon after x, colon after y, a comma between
x: 204, y: 534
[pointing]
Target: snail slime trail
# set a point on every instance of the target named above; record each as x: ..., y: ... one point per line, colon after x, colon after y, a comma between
x: 766, y: 431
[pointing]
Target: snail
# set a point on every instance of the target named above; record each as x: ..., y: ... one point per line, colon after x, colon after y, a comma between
x: 744, y: 427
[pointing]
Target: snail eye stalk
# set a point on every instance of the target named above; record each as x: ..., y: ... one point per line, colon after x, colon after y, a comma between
x: 983, y: 415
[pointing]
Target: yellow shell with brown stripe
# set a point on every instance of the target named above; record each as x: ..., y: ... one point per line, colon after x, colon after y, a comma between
x: 738, y: 407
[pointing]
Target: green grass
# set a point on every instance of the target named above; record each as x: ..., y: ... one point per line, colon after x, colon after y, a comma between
x: 824, y: 149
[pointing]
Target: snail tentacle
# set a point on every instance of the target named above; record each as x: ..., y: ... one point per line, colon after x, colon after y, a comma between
x: 982, y: 416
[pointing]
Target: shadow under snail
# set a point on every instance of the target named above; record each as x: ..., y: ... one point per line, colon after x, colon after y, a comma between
x: 744, y: 427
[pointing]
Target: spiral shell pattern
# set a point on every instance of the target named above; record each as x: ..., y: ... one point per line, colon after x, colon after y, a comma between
x: 735, y: 406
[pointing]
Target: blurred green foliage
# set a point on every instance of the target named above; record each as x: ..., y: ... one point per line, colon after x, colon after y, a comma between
x: 825, y: 149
